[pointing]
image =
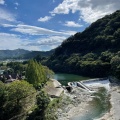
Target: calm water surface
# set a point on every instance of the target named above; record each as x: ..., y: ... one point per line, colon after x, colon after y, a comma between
x: 65, y: 78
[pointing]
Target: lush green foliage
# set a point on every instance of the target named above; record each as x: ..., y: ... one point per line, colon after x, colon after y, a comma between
x: 42, y: 103
x: 93, y: 52
x: 15, y: 67
x: 35, y: 74
x: 35, y: 54
x: 16, y: 99
x: 19, y: 98
x: 23, y: 54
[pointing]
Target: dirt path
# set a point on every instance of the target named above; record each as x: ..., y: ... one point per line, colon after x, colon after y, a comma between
x: 55, y: 89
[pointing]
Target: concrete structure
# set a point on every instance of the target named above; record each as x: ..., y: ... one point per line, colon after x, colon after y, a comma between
x: 88, y: 84
x: 55, y: 90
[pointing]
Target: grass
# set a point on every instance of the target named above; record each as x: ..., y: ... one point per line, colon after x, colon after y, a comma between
x: 50, y: 112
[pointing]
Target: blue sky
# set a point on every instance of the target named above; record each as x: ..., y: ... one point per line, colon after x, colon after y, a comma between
x: 43, y: 24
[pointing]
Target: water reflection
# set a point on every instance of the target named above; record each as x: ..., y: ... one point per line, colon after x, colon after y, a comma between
x: 65, y: 78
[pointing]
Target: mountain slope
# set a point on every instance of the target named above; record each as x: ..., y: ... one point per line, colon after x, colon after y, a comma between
x: 23, y: 54
x: 91, y: 52
x: 12, y: 53
x: 33, y: 54
x: 101, y: 35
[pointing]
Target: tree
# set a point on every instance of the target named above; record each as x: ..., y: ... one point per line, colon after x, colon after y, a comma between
x: 2, y: 98
x: 38, y: 58
x: 35, y: 74
x: 42, y: 103
x: 49, y: 73
x: 115, y: 66
x: 18, y: 98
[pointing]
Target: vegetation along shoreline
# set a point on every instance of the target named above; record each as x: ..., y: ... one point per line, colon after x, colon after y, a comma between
x: 28, y: 90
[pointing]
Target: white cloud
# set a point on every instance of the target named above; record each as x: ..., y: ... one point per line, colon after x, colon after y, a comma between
x: 8, y: 25
x: 69, y: 33
x: 16, y: 3
x: 2, y: 2
x: 44, y: 19
x: 12, y: 41
x: 9, y: 41
x: 7, y: 16
x: 47, y: 43
x: 90, y: 10
x: 72, y: 24
x: 33, y: 30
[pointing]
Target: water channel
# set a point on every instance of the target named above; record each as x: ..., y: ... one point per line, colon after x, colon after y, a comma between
x: 97, y: 107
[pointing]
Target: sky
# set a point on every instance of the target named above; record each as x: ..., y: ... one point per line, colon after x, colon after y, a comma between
x: 42, y: 25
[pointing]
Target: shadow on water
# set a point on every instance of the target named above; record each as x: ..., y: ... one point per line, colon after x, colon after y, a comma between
x: 97, y: 107
x: 65, y: 78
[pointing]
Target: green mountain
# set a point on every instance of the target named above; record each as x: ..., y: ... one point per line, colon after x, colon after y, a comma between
x: 33, y: 54
x: 23, y: 54
x: 94, y: 52
x: 4, y: 54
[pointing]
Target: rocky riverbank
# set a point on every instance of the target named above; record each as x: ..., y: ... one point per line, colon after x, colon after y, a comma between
x: 77, y: 103
x: 114, y: 113
x: 74, y: 103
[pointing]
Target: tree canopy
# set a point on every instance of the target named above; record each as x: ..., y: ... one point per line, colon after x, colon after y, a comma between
x: 16, y: 99
x: 91, y: 52
x: 35, y: 73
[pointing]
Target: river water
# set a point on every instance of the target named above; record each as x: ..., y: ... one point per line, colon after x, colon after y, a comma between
x: 65, y: 78
x: 97, y: 107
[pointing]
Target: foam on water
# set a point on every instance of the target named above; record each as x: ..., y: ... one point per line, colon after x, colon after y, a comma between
x: 102, y: 83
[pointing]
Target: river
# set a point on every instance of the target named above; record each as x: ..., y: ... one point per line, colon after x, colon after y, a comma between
x: 65, y: 78
x: 97, y: 107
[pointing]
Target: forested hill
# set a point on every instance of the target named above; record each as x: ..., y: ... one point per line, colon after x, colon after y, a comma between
x: 91, y: 52
x: 102, y: 35
x: 12, y: 53
x: 23, y: 54
x: 33, y: 54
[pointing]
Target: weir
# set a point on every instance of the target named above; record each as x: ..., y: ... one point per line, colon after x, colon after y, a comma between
x: 80, y: 84
x: 85, y: 84
x: 94, y: 80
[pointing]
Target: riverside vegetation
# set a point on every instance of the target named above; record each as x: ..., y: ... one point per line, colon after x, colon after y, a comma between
x: 94, y: 52
x: 25, y: 99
